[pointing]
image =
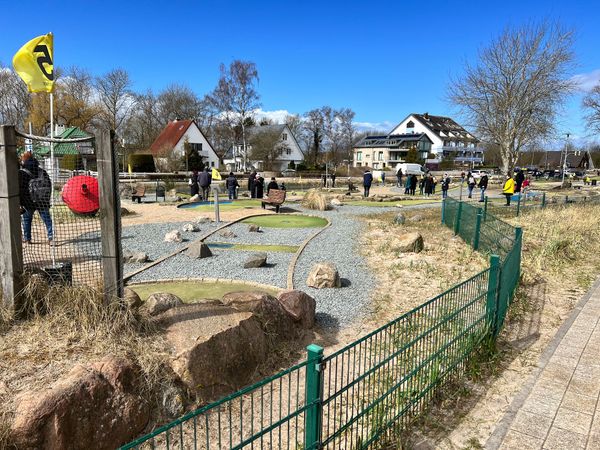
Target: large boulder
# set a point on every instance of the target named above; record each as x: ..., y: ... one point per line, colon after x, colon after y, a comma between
x: 173, y: 236
x: 161, y: 301
x: 256, y: 260
x: 130, y: 257
x: 97, y: 406
x: 300, y: 306
x: 409, y: 243
x: 227, y: 234
x: 203, y: 219
x: 252, y: 228
x: 324, y: 275
x: 216, y: 349
x: 417, y: 218
x: 399, y: 219
x: 198, y: 250
x: 191, y: 228
x: 336, y: 202
x: 131, y: 298
x: 244, y: 301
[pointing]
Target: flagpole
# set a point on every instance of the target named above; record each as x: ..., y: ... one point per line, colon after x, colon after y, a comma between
x: 52, y: 177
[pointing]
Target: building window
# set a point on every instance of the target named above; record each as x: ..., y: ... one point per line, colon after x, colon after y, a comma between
x: 359, y: 156
x: 358, y: 164
x: 368, y: 155
x: 212, y: 164
x: 380, y: 156
x: 288, y: 151
x: 284, y: 137
x: 195, y: 147
x: 410, y: 125
x: 375, y: 165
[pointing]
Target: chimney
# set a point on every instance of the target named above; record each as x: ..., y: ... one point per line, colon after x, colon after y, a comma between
x: 426, y: 115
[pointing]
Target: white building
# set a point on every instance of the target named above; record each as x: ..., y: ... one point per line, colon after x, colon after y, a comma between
x: 449, y: 139
x: 179, y: 133
x: 290, y: 150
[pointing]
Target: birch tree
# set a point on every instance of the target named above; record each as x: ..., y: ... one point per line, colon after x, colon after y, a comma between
x: 515, y: 90
x: 591, y: 103
x: 116, y: 98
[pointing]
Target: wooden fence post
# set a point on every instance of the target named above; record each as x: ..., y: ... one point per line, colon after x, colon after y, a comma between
x: 11, y: 260
x: 110, y: 216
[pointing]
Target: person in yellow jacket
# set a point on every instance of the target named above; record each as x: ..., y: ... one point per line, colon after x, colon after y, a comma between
x: 509, y: 188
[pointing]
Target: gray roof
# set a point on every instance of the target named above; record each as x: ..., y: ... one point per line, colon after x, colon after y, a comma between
x: 391, y: 140
x: 253, y: 131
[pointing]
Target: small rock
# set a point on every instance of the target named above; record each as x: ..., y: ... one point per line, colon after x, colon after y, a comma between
x: 300, y: 306
x: 191, y: 228
x: 198, y: 250
x: 131, y: 298
x: 253, y: 228
x: 160, y: 302
x: 417, y: 218
x: 256, y: 260
x: 126, y: 212
x: 227, y: 234
x: 399, y: 219
x: 336, y: 202
x: 130, y: 257
x: 173, y: 236
x: 173, y: 401
x: 203, y: 219
x: 409, y: 243
x: 324, y: 275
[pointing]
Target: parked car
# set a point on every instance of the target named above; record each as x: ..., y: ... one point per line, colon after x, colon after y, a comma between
x: 288, y: 173
x: 478, y: 173
x: 410, y: 169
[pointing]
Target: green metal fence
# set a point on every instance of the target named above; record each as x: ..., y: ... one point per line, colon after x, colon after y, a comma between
x: 532, y: 201
x: 370, y: 390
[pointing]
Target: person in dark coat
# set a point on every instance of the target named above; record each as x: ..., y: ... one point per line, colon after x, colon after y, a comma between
x: 428, y: 184
x: 445, y: 185
x: 259, y: 186
x: 367, y: 181
x: 407, y: 185
x: 332, y: 179
x: 519, y: 181
x: 413, y: 184
x: 194, y: 187
x: 251, y: 180
x: 30, y: 169
x: 483, y: 184
x: 272, y: 185
x: 399, y: 178
x: 382, y: 178
x: 231, y: 183
x: 204, y: 180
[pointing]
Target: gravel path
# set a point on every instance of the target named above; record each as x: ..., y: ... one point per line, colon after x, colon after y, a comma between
x: 270, y: 236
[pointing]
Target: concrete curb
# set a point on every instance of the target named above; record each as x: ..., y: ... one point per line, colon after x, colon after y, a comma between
x: 495, y: 440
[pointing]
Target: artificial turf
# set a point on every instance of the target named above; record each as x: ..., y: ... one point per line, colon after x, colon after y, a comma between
x: 287, y: 221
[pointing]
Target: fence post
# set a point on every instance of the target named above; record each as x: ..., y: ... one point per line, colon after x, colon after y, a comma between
x: 11, y: 261
x: 110, y: 216
x: 518, y: 204
x: 485, y: 207
x: 312, y: 432
x: 492, y: 294
x: 443, y: 211
x: 543, y: 200
x: 457, y: 218
x: 477, y: 230
x: 217, y: 214
x: 519, y: 242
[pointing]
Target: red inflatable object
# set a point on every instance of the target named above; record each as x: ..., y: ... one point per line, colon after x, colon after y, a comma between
x: 80, y: 194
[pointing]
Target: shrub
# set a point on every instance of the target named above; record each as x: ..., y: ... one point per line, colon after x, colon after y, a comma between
x: 315, y: 200
x: 142, y: 163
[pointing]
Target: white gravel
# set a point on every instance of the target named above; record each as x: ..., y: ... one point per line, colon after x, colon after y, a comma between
x: 266, y: 235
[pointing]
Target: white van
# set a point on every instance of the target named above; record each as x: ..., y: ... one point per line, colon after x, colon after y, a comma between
x: 410, y: 169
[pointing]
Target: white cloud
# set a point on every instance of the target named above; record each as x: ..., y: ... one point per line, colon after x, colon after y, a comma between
x: 374, y: 126
x: 277, y: 116
x: 586, y: 81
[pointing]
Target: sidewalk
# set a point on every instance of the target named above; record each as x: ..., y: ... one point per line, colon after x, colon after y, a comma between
x: 558, y: 407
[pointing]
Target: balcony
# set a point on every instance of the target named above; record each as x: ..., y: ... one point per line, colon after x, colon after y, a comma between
x: 469, y: 159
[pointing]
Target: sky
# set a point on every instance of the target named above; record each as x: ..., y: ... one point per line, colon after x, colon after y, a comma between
x: 382, y: 59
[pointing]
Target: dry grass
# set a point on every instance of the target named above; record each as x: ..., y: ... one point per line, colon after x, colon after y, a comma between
x: 315, y: 200
x: 67, y: 326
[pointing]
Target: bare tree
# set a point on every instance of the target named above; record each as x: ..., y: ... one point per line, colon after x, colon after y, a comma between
x: 14, y: 98
x: 116, y: 99
x: 512, y: 95
x: 236, y: 97
x: 266, y: 145
x: 178, y: 101
x: 346, y: 133
x: 144, y: 125
x: 313, y: 126
x: 75, y: 104
x: 591, y: 102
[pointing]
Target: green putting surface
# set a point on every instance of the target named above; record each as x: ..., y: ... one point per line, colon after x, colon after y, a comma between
x: 235, y: 204
x: 287, y: 221
x: 188, y: 291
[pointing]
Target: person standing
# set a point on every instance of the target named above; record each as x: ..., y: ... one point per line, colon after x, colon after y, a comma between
x: 194, y: 188
x: 509, y: 188
x: 324, y: 178
x: 204, y: 180
x: 251, y: 180
x: 421, y: 184
x: 407, y: 185
x: 483, y: 184
x: 471, y: 183
x: 231, y: 183
x: 367, y: 181
x: 35, y: 192
x: 382, y: 178
x: 445, y: 185
x: 519, y: 180
x: 399, y: 178
x: 332, y: 179
x: 413, y: 184
x: 428, y: 185
x: 259, y: 186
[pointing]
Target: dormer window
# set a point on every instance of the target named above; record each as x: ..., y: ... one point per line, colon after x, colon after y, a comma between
x: 410, y: 125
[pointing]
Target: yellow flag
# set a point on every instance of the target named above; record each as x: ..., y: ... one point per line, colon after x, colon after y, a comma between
x: 216, y: 175
x: 34, y: 64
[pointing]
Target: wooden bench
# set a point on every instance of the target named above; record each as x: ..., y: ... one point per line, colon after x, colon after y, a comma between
x: 276, y: 198
x: 138, y: 193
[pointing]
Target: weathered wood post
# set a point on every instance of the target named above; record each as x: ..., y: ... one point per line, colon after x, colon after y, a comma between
x: 11, y: 259
x: 110, y: 216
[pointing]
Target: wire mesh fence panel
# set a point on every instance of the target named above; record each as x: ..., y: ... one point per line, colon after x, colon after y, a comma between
x: 381, y: 382
x: 60, y: 204
x: 268, y: 415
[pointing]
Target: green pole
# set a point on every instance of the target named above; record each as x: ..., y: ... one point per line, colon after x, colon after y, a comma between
x: 313, y: 401
x: 492, y: 294
x: 519, y: 242
x: 518, y: 204
x: 457, y: 219
x: 485, y: 207
x: 443, y: 211
x: 543, y: 200
x: 477, y: 230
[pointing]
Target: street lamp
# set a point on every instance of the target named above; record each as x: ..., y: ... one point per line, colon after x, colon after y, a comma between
x: 564, y: 166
